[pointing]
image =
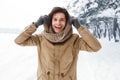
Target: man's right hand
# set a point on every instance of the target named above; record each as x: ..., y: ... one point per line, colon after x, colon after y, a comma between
x: 42, y: 20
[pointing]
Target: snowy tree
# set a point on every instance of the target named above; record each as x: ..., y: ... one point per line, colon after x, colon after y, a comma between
x: 101, y: 16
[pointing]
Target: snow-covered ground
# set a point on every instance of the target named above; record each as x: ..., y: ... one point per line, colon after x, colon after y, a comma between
x: 20, y: 63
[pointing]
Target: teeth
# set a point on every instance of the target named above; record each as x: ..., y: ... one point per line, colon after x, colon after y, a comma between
x: 58, y: 27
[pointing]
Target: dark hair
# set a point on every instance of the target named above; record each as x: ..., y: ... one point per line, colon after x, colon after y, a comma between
x: 59, y: 9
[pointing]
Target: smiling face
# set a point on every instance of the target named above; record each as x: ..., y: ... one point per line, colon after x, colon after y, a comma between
x: 58, y: 22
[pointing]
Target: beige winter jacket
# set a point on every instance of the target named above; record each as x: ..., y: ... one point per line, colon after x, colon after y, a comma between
x: 58, y: 61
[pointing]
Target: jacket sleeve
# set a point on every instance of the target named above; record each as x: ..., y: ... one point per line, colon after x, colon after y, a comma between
x: 87, y: 41
x: 26, y: 38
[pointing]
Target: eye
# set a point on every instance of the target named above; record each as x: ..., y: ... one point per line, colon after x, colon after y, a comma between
x: 55, y: 19
x: 62, y: 19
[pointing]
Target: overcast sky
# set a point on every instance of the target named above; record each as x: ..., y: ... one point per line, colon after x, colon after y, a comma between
x: 19, y: 13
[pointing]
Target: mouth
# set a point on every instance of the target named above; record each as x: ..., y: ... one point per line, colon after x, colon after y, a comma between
x: 58, y: 27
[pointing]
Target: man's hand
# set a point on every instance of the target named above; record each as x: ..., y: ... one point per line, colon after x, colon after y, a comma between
x: 42, y: 20
x: 75, y: 22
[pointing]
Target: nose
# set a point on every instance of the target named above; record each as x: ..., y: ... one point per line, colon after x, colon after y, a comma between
x: 58, y: 22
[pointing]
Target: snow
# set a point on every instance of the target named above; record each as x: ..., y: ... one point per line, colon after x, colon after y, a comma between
x: 103, y: 65
x: 105, y: 13
x: 16, y: 63
x: 20, y: 63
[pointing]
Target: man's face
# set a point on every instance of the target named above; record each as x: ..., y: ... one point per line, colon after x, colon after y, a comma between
x: 58, y: 22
